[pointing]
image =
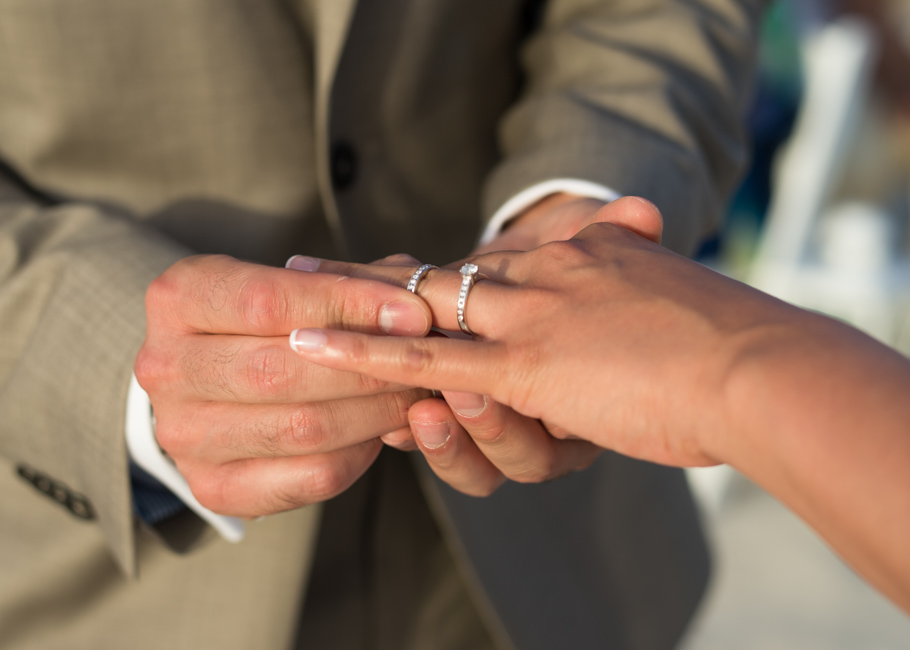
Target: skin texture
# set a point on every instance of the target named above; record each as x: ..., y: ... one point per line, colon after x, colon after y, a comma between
x: 256, y: 429
x: 474, y: 442
x: 612, y: 339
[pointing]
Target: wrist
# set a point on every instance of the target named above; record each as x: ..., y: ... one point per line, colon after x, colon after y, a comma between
x: 782, y: 384
x: 754, y: 367
x: 539, y: 211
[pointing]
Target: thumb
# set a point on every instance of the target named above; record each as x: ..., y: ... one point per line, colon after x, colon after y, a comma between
x: 633, y: 213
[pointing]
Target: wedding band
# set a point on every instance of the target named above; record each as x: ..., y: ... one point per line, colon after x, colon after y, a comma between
x: 468, y: 277
x: 412, y: 283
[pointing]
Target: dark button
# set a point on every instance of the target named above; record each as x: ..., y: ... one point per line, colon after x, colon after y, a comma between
x: 76, y: 503
x: 343, y: 165
x: 26, y: 472
x: 43, y: 483
x: 59, y: 492
x: 80, y: 506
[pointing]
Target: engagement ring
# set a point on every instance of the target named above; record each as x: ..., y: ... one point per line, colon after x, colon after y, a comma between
x: 468, y: 277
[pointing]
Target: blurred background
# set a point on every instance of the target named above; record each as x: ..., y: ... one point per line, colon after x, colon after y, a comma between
x: 821, y: 221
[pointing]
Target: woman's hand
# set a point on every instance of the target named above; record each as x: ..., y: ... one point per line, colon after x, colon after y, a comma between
x: 612, y: 339
x: 472, y: 441
x: 607, y: 337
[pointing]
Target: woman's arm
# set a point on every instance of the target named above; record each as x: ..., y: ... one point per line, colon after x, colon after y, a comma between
x: 613, y: 339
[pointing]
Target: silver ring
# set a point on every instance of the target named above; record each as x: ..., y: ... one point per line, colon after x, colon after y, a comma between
x: 468, y: 277
x: 412, y: 283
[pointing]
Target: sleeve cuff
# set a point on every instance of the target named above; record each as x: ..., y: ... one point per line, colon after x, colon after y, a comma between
x: 531, y: 195
x: 144, y: 452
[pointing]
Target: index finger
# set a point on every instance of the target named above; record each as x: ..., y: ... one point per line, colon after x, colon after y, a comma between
x: 219, y: 294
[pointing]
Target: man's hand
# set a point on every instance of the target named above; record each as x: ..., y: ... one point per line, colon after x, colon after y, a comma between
x: 253, y: 427
x: 560, y: 217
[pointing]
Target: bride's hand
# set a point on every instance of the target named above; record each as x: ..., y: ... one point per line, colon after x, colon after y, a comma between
x: 607, y: 337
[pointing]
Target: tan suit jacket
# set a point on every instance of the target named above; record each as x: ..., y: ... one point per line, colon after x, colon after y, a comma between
x: 133, y: 133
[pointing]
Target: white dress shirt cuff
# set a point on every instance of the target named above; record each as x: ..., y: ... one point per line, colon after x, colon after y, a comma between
x: 145, y: 452
x: 531, y: 195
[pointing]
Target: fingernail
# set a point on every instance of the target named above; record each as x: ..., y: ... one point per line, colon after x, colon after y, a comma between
x: 302, y: 263
x: 402, y: 318
x: 433, y: 435
x: 468, y: 405
x: 305, y: 340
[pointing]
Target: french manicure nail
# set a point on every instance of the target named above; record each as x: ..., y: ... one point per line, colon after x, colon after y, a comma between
x: 302, y: 263
x: 468, y: 405
x: 306, y: 340
x: 433, y: 435
x: 402, y: 318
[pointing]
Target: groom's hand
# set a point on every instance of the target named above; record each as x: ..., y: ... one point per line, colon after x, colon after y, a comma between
x: 559, y: 217
x: 254, y: 428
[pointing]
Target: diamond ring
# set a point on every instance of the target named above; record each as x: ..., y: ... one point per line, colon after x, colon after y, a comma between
x: 468, y: 277
x: 415, y: 279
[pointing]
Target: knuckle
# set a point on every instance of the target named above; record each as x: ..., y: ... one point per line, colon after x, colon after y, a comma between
x: 175, y: 439
x: 359, y: 351
x: 398, y: 404
x: 211, y: 490
x: 325, y: 480
x: 570, y: 253
x: 213, y: 289
x: 418, y: 358
x: 261, y: 303
x: 305, y: 431
x: 152, y: 369
x: 162, y: 291
x: 522, y: 369
x: 267, y: 371
x: 346, y: 309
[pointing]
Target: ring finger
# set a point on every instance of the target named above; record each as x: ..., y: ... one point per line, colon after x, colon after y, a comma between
x: 440, y: 289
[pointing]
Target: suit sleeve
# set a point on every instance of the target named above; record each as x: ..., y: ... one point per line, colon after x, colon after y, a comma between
x: 644, y: 97
x: 72, y: 284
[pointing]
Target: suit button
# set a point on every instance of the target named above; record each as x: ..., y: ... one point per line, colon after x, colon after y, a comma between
x: 27, y: 473
x: 80, y: 506
x: 72, y: 501
x: 59, y: 493
x: 343, y: 165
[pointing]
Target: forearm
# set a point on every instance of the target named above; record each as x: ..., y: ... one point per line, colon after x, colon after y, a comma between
x: 609, y: 99
x: 818, y: 416
x: 71, y: 312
